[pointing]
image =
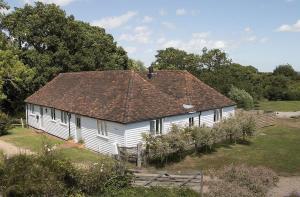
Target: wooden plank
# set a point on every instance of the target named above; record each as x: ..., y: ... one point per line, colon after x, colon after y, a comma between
x: 149, y: 182
x: 187, y: 181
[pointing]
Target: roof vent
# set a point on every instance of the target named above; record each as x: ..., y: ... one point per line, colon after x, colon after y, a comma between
x: 185, y: 106
x: 150, y: 72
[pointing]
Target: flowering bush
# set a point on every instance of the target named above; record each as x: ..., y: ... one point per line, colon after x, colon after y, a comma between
x: 243, y: 180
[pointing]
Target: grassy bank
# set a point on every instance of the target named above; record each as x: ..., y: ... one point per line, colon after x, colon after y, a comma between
x: 279, y: 106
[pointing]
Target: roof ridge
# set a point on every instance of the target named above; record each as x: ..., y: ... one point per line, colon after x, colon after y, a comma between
x: 126, y: 103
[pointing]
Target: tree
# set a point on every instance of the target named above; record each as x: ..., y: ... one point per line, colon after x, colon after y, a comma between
x: 53, y: 42
x: 285, y: 70
x: 214, y: 58
x: 15, y: 80
x: 241, y: 97
x: 175, y: 59
x: 136, y: 65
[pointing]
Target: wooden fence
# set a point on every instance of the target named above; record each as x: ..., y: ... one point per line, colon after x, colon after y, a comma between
x: 193, y: 181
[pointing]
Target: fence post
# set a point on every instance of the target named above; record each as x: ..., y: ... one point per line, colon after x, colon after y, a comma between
x: 139, y: 155
x: 22, y: 123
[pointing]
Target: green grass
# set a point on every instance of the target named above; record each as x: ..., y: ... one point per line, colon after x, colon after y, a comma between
x: 26, y: 138
x: 275, y: 147
x: 279, y: 105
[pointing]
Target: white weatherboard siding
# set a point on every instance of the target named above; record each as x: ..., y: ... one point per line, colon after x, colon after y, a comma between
x: 122, y: 134
x: 98, y: 143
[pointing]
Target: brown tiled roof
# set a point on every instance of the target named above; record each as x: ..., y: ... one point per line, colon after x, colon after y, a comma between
x: 128, y: 96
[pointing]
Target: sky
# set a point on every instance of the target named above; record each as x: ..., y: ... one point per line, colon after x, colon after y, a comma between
x: 261, y: 33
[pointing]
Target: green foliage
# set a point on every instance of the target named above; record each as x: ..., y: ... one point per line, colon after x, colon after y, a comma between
x: 136, y: 65
x: 173, y: 59
x: 286, y: 70
x: 53, y: 42
x: 243, y: 180
x: 47, y: 174
x: 5, y: 123
x: 241, y: 97
x: 153, y: 192
x: 15, y: 80
x: 178, y: 141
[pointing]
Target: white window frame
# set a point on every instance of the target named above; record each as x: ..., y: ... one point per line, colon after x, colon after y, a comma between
x: 102, y: 128
x: 157, y: 126
x: 63, y: 117
x: 53, y: 115
x: 31, y: 108
x: 218, y: 113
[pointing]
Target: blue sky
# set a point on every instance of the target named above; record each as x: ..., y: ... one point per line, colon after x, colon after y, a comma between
x: 261, y: 33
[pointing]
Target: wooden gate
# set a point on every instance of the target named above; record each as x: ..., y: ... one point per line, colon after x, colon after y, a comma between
x: 194, y: 181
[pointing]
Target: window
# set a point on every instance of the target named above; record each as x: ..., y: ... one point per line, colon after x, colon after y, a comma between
x: 156, y: 126
x: 64, y: 117
x: 78, y: 122
x: 52, y: 113
x: 217, y: 115
x: 102, y: 128
x: 191, y: 121
x: 200, y: 119
x: 31, y: 108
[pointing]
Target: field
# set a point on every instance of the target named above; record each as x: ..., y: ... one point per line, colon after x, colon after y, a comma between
x: 283, y: 106
x: 276, y: 147
x: 27, y: 138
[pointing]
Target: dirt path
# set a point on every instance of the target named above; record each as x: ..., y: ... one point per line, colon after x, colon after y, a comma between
x: 286, y: 186
x: 10, y: 149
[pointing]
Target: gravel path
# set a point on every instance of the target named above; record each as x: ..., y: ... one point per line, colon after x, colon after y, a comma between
x: 287, y: 114
x: 285, y: 186
x: 10, y: 149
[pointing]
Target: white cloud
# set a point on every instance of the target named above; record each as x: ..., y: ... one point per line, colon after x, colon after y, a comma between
x: 264, y: 40
x: 180, y: 12
x: 58, y: 2
x: 290, y: 28
x: 114, y: 21
x: 147, y: 19
x: 251, y: 38
x: 161, y: 40
x: 162, y: 12
x: 168, y: 25
x: 141, y: 34
x: 196, y: 43
x: 130, y: 49
x: 248, y: 29
x: 195, y: 12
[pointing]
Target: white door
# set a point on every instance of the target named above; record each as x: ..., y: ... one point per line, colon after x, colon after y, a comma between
x: 78, y: 128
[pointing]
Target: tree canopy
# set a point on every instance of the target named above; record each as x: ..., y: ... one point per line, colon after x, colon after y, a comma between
x: 53, y: 42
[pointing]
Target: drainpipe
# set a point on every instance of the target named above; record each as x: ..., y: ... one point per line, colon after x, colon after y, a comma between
x: 69, y: 116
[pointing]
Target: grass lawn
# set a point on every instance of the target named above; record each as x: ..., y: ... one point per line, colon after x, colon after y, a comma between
x: 26, y: 138
x: 279, y: 105
x: 276, y: 147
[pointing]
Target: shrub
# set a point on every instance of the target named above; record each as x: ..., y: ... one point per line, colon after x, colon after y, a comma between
x: 204, y: 137
x: 47, y: 174
x: 241, y: 97
x: 255, y: 180
x: 226, y: 189
x: 5, y: 123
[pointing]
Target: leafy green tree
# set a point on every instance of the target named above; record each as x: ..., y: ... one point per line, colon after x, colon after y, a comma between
x: 241, y: 97
x: 214, y: 58
x: 53, y: 42
x: 285, y: 70
x: 136, y: 65
x: 15, y: 80
x: 175, y: 59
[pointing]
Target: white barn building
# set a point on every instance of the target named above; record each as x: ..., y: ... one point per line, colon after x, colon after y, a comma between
x: 104, y: 109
